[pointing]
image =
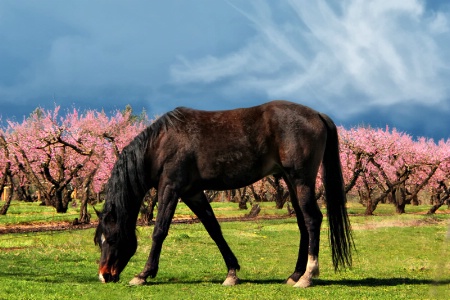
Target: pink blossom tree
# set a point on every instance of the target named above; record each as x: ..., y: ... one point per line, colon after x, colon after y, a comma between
x: 44, y: 153
x: 393, y: 166
x: 59, y: 153
x: 439, y: 185
x: 106, y: 137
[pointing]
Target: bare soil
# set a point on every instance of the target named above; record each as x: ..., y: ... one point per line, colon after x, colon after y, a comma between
x: 60, y: 226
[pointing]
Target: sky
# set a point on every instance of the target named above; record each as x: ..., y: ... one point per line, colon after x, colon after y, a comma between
x: 365, y: 63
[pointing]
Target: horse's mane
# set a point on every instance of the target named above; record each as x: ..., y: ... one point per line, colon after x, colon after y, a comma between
x: 128, y: 182
x: 166, y: 121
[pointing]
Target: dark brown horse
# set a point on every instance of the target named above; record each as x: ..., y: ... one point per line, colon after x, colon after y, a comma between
x: 188, y: 151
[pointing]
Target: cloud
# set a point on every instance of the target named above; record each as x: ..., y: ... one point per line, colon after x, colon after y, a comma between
x: 349, y: 56
x: 112, y: 50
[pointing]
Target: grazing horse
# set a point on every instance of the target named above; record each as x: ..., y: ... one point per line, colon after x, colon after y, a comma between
x: 188, y: 151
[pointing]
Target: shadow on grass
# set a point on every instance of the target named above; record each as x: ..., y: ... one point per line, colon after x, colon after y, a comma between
x: 48, y: 277
x: 368, y: 282
x: 375, y: 282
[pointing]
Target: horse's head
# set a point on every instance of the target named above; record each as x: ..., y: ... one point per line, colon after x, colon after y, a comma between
x: 117, y: 247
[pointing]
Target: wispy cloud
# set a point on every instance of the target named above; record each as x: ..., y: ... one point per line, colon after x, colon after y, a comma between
x: 355, y: 54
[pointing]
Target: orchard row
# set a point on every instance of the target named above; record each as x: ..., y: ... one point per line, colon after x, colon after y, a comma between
x: 49, y: 155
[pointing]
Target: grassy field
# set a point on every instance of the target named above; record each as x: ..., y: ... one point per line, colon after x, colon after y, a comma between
x: 398, y: 257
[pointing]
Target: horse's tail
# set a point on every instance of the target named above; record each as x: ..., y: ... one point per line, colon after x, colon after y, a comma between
x: 340, y: 233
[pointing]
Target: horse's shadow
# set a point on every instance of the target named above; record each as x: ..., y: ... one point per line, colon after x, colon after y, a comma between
x: 368, y: 282
x: 377, y: 282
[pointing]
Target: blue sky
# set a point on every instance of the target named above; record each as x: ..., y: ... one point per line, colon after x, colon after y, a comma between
x: 362, y: 62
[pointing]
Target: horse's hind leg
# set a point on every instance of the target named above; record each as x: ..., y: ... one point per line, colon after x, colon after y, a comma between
x: 309, y: 218
x: 313, y: 220
x: 302, y: 260
x: 202, y: 209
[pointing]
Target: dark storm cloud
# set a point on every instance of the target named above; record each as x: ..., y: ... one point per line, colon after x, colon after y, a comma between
x: 415, y: 119
x: 103, y: 52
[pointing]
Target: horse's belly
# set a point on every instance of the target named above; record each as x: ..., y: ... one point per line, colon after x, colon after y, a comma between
x: 228, y: 173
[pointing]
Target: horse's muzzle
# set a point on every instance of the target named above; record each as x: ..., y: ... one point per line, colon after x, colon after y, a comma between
x: 108, y: 274
x: 107, y: 277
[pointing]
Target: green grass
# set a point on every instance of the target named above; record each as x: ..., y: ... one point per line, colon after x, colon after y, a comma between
x: 395, y: 259
x: 31, y: 213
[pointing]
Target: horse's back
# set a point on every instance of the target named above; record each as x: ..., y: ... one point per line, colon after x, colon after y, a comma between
x: 258, y: 128
x: 277, y: 113
x: 233, y: 148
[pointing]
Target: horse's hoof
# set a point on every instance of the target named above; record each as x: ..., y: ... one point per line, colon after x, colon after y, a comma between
x: 230, y: 281
x: 303, y: 283
x: 137, y: 281
x: 290, y: 281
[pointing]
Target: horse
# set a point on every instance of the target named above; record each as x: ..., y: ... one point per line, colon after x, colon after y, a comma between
x: 186, y: 151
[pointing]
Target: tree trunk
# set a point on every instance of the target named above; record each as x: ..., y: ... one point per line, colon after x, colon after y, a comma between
x: 147, y: 213
x: 5, y: 207
x: 46, y: 201
x: 3, y: 186
x: 373, y: 203
x: 24, y: 194
x: 434, y: 208
x: 256, y: 196
x: 280, y: 195
x: 148, y: 207
x: 399, y: 195
x: 290, y: 210
x: 442, y: 195
x: 366, y: 200
x: 242, y: 198
x: 415, y: 200
x: 254, y: 211
x: 230, y: 195
x: 369, y: 208
x: 60, y: 200
x: 85, y: 217
x: 438, y: 204
x: 400, y: 208
x: 211, y: 195
x: 435, y: 196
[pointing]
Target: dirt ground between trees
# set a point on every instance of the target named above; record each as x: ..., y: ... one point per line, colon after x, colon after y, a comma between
x: 368, y: 224
x: 64, y: 225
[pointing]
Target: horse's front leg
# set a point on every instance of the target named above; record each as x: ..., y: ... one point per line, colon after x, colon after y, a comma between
x: 167, y: 199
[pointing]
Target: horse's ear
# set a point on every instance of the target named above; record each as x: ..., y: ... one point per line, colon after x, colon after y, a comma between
x: 109, y: 215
